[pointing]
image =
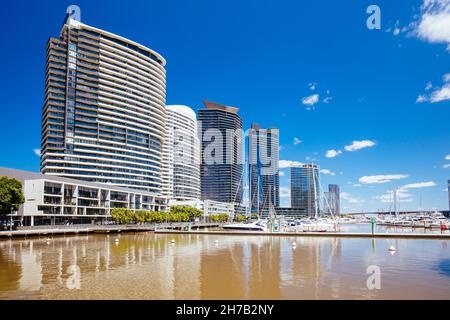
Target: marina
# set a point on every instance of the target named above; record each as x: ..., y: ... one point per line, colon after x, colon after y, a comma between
x: 220, y: 266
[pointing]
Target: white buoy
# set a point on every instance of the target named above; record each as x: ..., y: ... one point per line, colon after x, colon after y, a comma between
x: 216, y: 242
x: 391, y: 248
x: 48, y: 240
x: 117, y: 240
x: 173, y: 241
x: 294, y: 244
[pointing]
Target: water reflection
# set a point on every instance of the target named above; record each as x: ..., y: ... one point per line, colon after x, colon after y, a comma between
x: 148, y: 266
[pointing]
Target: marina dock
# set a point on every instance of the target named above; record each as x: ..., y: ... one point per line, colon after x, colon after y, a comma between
x: 103, y: 229
x: 434, y: 236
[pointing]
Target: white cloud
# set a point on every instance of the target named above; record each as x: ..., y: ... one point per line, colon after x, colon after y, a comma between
x: 328, y: 172
x: 441, y: 94
x: 37, y: 152
x: 446, y: 166
x: 327, y: 99
x: 357, y: 185
x: 428, y: 86
x: 351, y: 199
x: 421, y: 98
x: 283, y: 164
x: 310, y: 101
x: 333, y: 153
x: 297, y: 141
x: 446, y: 77
x: 447, y: 157
x: 285, y: 192
x: 281, y: 173
x: 434, y: 22
x: 418, y: 185
x: 312, y: 85
x: 381, y: 178
x: 357, y: 145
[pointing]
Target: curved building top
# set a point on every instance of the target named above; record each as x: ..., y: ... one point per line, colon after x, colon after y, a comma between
x: 137, y: 46
x: 184, y: 110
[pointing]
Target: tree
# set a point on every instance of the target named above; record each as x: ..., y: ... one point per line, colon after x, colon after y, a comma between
x: 239, y: 218
x: 11, y: 195
x: 185, y: 210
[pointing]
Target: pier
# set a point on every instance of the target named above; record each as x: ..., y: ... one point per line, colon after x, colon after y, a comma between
x: 430, y: 236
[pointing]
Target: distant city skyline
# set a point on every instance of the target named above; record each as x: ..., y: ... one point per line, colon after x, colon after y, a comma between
x: 371, y: 107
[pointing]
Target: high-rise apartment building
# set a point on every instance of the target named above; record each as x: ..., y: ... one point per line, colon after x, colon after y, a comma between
x: 220, y: 129
x: 264, y: 183
x: 334, y: 199
x: 181, y: 165
x: 104, y: 116
x: 305, y: 188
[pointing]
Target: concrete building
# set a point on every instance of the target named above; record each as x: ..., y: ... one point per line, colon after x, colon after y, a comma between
x: 221, y: 169
x: 305, y: 188
x: 208, y: 207
x: 104, y: 115
x: 264, y: 181
x: 181, y: 156
x: 51, y: 199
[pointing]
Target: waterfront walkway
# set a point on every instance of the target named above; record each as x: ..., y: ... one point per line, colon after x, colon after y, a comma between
x: 80, y: 229
x: 445, y: 236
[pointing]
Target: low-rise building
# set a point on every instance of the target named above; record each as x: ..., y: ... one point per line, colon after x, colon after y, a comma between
x: 52, y: 199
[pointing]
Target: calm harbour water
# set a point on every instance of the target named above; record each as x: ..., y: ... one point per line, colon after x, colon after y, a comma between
x: 150, y: 266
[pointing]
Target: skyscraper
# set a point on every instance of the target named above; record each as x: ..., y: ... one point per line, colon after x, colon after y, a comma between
x: 222, y: 161
x: 334, y: 199
x: 104, y: 114
x: 264, y: 185
x: 305, y: 188
x: 181, y: 168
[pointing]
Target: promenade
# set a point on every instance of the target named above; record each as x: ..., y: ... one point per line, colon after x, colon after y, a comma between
x: 89, y: 228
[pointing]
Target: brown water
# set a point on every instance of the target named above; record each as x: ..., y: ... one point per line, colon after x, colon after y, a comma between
x: 149, y: 266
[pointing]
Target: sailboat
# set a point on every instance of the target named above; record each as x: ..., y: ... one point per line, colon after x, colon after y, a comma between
x: 317, y: 223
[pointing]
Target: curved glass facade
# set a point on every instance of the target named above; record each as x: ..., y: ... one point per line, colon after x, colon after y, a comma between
x: 181, y: 174
x: 104, y: 113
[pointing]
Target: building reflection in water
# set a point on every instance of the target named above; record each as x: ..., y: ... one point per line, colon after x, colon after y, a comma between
x: 149, y: 266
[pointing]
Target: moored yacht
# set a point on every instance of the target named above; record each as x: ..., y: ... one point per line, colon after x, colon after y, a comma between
x: 260, y: 225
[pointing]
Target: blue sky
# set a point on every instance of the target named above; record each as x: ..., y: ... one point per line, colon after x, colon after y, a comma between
x: 385, y: 88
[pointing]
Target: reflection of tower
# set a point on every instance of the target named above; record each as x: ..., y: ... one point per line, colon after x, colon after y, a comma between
x: 264, y: 272
x: 308, y: 265
x: 222, y: 274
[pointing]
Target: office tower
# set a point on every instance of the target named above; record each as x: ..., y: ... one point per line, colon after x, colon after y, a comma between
x: 334, y: 198
x: 181, y: 156
x: 305, y: 188
x: 326, y: 203
x: 104, y: 114
x: 264, y: 185
x: 221, y: 166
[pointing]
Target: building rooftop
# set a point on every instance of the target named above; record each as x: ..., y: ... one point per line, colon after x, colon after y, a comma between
x: 217, y: 106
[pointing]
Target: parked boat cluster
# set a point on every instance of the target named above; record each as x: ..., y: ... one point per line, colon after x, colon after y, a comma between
x: 431, y: 221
